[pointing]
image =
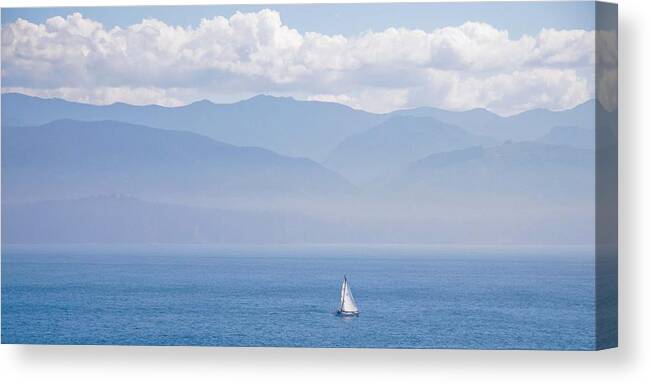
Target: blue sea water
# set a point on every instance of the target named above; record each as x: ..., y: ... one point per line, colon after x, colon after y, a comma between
x: 409, y: 296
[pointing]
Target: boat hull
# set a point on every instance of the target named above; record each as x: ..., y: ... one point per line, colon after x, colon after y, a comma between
x: 347, y: 314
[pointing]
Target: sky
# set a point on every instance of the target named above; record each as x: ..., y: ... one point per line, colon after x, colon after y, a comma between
x: 505, y: 57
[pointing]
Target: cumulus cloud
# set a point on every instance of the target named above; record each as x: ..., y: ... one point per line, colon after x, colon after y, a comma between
x: 458, y: 67
x: 106, y: 95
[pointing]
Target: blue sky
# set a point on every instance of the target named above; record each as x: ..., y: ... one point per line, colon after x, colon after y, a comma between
x: 516, y: 17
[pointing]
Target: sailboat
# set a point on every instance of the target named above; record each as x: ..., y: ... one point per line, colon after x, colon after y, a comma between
x: 347, y: 305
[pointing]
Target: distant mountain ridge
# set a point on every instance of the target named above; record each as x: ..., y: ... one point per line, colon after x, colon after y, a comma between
x: 71, y: 159
x: 284, y: 125
x: 571, y: 136
x: 107, y: 181
x: 389, y: 146
x: 531, y: 170
x: 528, y: 125
x: 125, y: 219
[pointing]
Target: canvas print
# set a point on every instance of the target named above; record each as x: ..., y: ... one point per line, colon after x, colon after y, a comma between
x: 431, y: 175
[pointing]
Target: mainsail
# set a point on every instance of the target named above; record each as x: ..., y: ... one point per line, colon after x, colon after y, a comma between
x: 348, y: 304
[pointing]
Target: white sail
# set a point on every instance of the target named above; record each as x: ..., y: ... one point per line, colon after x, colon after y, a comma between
x: 347, y: 301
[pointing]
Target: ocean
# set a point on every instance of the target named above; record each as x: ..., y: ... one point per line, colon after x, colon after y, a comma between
x: 287, y: 296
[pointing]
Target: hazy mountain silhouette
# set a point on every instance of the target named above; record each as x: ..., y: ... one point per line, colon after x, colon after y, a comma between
x: 572, y: 136
x: 124, y: 219
x: 451, y: 175
x: 527, y: 125
x: 394, y: 143
x: 70, y: 159
x: 511, y: 170
x: 283, y: 125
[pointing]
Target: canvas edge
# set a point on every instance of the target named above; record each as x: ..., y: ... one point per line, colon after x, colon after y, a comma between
x: 606, y: 176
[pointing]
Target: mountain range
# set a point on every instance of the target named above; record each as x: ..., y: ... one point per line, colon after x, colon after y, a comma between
x: 72, y: 159
x: 388, y: 147
x: 287, y: 126
x: 274, y: 169
x: 284, y: 125
x: 527, y: 125
x: 572, y: 136
x: 538, y: 171
x: 125, y: 219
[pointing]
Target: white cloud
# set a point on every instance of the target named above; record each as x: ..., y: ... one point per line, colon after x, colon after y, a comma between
x: 505, y: 92
x: 107, y: 95
x: 467, y: 66
x: 377, y: 100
